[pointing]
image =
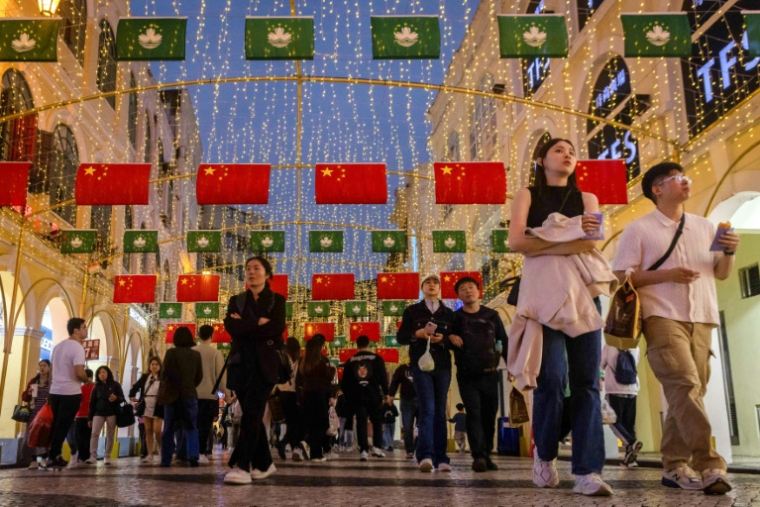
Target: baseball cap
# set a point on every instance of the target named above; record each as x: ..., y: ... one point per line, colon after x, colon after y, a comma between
x: 430, y: 277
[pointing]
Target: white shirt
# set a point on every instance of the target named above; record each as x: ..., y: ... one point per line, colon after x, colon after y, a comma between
x: 609, y: 364
x: 432, y: 305
x: 65, y: 356
x: 647, y: 239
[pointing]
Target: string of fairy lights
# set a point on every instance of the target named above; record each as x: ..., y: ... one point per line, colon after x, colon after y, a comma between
x: 256, y: 121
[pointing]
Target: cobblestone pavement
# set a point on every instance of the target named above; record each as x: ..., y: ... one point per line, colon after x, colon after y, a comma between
x: 393, y: 481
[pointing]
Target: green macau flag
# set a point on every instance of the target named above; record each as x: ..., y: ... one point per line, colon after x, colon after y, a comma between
x: 140, y: 241
x: 356, y: 308
x: 449, y: 241
x: 529, y: 35
x: 29, y: 39
x: 338, y: 342
x: 393, y: 308
x: 78, y: 241
x: 318, y: 308
x: 500, y: 241
x: 656, y: 34
x: 326, y: 241
x: 145, y: 38
x: 752, y: 24
x: 289, y: 310
x: 206, y: 310
x: 388, y: 241
x: 268, y: 241
x: 290, y: 38
x: 390, y: 341
x: 204, y: 241
x: 170, y: 310
x: 405, y: 37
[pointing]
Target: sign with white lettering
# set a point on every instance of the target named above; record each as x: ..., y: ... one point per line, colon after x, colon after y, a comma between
x: 91, y: 349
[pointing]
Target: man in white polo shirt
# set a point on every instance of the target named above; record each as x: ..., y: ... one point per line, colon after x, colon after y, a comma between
x: 68, y: 361
x: 680, y: 310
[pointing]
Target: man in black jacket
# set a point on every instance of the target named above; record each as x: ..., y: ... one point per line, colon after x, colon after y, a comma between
x: 432, y: 387
x: 402, y: 378
x: 479, y: 340
x: 365, y: 386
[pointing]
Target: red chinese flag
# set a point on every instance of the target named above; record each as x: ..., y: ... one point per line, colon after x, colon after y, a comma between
x: 172, y: 328
x: 195, y: 288
x: 470, y: 183
x: 232, y: 184
x: 388, y: 355
x: 279, y: 284
x: 351, y: 184
x: 14, y: 176
x: 345, y: 354
x: 340, y: 374
x: 606, y: 179
x: 332, y: 287
x: 112, y: 184
x: 450, y: 278
x: 371, y: 329
x: 398, y: 285
x: 220, y: 334
x: 134, y: 289
x: 325, y: 328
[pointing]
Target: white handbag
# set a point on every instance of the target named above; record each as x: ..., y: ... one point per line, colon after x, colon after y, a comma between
x: 426, y: 362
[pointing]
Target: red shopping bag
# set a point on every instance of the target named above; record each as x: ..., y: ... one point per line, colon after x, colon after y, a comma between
x: 41, y: 431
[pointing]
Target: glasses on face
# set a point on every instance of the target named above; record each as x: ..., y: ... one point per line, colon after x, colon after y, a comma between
x: 680, y: 179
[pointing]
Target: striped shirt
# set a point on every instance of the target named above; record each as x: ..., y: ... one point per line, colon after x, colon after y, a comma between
x: 647, y: 239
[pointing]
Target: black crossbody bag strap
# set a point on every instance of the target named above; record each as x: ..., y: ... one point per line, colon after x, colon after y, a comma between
x: 672, y: 247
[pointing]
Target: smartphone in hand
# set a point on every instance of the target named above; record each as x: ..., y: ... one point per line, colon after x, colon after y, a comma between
x: 598, y: 234
x: 723, y: 228
x: 430, y: 328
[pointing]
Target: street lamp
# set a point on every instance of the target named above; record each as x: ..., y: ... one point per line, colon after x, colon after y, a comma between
x: 48, y: 7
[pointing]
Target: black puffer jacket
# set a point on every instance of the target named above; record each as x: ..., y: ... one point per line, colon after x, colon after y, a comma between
x: 416, y: 317
x: 99, y: 403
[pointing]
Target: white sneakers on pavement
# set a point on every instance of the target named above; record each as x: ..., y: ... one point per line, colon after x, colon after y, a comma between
x: 426, y: 465
x: 591, y: 485
x: 715, y: 482
x: 203, y: 460
x: 237, y: 476
x: 444, y: 467
x: 545, y: 472
x: 257, y: 474
x: 377, y: 453
x: 332, y: 456
x: 106, y: 460
x: 683, y: 478
x: 364, y: 456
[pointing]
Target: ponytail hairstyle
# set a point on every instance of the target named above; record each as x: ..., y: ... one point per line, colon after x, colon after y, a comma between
x: 539, y: 179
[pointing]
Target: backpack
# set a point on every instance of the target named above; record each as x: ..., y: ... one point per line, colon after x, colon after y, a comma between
x: 625, y: 369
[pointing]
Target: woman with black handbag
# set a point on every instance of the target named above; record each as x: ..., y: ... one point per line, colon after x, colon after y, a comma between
x: 256, y: 321
x: 147, y: 407
x: 36, y: 395
x: 106, y: 398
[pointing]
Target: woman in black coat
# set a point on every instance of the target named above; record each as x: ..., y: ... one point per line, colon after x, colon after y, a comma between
x: 256, y: 321
x: 105, y: 400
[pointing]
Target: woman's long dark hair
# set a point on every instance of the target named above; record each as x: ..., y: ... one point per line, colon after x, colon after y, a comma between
x: 312, y: 358
x: 539, y: 179
x: 109, y: 379
x: 293, y: 348
x: 36, y: 380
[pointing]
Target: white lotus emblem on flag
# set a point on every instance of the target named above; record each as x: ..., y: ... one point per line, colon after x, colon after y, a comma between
x: 658, y: 36
x: 279, y: 38
x: 267, y: 242
x: 406, y: 37
x: 203, y: 242
x: 76, y: 242
x: 318, y: 309
x: 389, y: 242
x: 356, y: 309
x: 23, y: 43
x: 450, y: 243
x: 506, y: 243
x: 394, y: 308
x: 207, y: 310
x: 325, y: 242
x: 150, y: 39
x: 534, y: 37
x: 170, y: 311
x: 139, y: 242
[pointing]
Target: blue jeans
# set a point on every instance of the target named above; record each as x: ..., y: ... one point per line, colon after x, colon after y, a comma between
x: 184, y: 413
x: 432, y: 390
x: 388, y: 430
x: 408, y: 415
x: 582, y: 365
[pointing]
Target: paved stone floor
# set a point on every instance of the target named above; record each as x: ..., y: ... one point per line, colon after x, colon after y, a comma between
x: 393, y: 481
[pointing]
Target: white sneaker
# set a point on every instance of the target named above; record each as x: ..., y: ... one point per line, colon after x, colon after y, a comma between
x: 34, y: 465
x: 319, y: 460
x: 377, y: 453
x: 92, y: 460
x: 683, y: 478
x: 364, y: 456
x: 332, y: 455
x: 106, y: 460
x: 237, y: 476
x: 297, y: 454
x: 257, y: 474
x: 146, y: 460
x: 544, y: 472
x: 74, y: 463
x: 426, y: 465
x: 444, y: 467
x: 591, y: 485
x: 203, y: 460
x: 715, y: 481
